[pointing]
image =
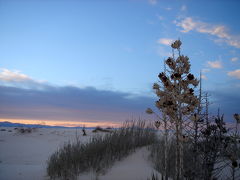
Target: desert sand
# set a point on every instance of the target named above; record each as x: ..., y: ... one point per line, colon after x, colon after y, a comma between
x: 24, y: 156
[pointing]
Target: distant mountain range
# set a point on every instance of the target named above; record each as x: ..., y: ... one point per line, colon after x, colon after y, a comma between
x: 9, y: 124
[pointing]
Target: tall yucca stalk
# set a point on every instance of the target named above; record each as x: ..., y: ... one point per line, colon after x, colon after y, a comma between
x: 176, y: 98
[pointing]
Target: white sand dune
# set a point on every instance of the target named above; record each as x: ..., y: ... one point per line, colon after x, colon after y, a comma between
x: 134, y: 167
x: 24, y: 156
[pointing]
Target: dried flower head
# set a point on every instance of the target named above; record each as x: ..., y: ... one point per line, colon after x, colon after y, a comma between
x: 194, y: 82
x: 176, y: 44
x: 171, y: 63
x: 149, y: 111
x: 160, y: 93
x: 184, y: 138
x: 168, y: 85
x: 176, y: 76
x: 195, y: 117
x: 190, y: 77
x: 156, y: 86
x: 163, y: 77
x: 190, y: 91
x: 237, y: 117
x: 157, y: 124
x: 158, y: 105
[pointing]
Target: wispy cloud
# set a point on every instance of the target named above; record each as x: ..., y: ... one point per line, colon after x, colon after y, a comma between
x: 205, y: 70
x: 152, y: 2
x: 234, y: 59
x: 183, y: 8
x: 203, y: 76
x: 221, y: 32
x: 215, y: 64
x: 235, y: 73
x: 160, y: 17
x: 17, y: 79
x: 168, y: 8
x: 165, y: 41
x: 13, y: 76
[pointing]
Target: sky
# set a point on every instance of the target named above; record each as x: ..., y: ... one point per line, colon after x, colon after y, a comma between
x: 66, y: 62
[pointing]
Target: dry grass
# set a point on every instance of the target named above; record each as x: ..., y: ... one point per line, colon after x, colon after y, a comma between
x: 100, y: 152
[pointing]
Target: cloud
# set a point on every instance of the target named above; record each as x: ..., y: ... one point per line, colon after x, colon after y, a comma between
x: 152, y: 2
x: 87, y: 105
x: 183, y: 8
x: 165, y: 41
x: 235, y: 73
x: 227, y: 99
x: 221, y: 32
x: 234, y: 59
x: 203, y: 76
x: 17, y: 79
x: 168, y: 8
x: 160, y: 17
x: 70, y: 104
x: 205, y: 70
x: 215, y: 64
x: 13, y: 76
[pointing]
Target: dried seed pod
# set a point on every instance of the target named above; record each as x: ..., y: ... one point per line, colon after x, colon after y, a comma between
x: 156, y: 86
x: 160, y: 93
x: 177, y: 76
x: 184, y: 84
x: 171, y: 63
x: 194, y: 82
x: 162, y: 77
x: 149, y: 111
x: 158, y: 105
x: 176, y: 44
x: 190, y: 77
x: 184, y: 138
x: 195, y: 117
x: 157, y: 124
x: 190, y: 91
x: 237, y: 117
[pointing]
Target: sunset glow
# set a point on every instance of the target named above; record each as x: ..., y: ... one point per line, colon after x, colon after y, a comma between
x: 63, y: 123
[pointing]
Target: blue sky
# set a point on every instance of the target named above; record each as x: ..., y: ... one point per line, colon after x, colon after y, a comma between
x: 116, y: 47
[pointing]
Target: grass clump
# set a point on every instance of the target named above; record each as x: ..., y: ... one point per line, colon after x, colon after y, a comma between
x: 100, y: 152
x: 99, y: 129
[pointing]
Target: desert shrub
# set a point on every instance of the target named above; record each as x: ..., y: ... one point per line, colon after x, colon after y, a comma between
x: 100, y: 129
x: 100, y: 152
x: 25, y: 130
x: 157, y: 156
x: 153, y: 177
x: 218, y: 154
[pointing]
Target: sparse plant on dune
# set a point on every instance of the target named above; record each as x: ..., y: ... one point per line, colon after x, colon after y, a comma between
x: 84, y: 131
x: 176, y: 100
x: 217, y: 153
x: 100, y: 129
x: 153, y: 177
x: 25, y: 130
x: 100, y: 152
